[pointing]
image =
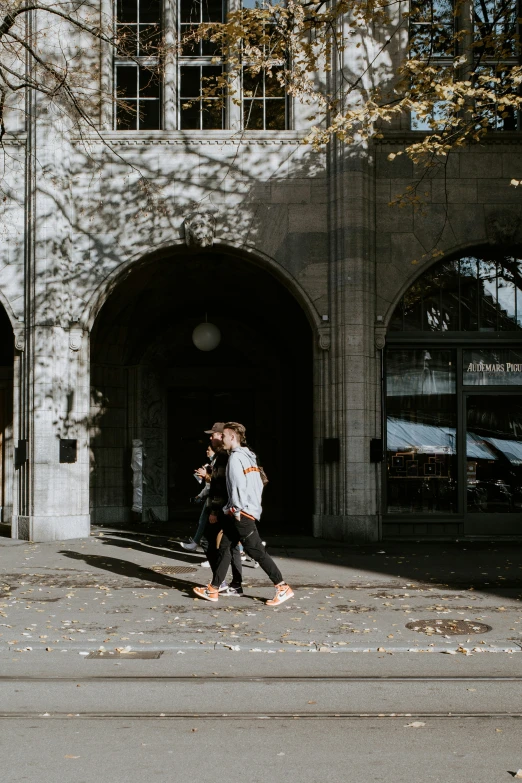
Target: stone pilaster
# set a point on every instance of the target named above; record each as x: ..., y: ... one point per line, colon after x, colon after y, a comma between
x: 350, y: 377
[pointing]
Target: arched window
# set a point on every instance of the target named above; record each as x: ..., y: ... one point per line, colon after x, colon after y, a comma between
x: 473, y: 293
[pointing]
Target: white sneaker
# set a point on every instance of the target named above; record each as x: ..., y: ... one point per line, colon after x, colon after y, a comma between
x: 205, y: 564
x: 191, y: 546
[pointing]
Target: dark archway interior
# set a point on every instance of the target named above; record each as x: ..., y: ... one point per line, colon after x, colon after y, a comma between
x: 260, y: 374
x: 6, y: 340
x: 6, y: 420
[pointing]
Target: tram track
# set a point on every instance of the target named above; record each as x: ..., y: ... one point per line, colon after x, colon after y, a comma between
x: 261, y: 696
x: 323, y: 715
x: 260, y: 678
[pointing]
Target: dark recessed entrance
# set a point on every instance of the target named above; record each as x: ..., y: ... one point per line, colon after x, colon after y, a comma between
x: 151, y: 384
x: 453, y: 402
x: 6, y: 423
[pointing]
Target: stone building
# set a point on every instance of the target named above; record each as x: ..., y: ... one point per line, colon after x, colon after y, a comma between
x: 380, y: 386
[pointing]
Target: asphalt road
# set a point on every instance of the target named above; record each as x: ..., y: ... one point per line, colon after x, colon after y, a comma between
x: 287, y: 719
x: 363, y: 750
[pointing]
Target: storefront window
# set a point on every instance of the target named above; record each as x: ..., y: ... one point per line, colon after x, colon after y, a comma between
x: 494, y: 454
x: 421, y: 431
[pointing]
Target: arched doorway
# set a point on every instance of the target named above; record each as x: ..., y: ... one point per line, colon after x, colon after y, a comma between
x: 151, y: 384
x: 453, y: 400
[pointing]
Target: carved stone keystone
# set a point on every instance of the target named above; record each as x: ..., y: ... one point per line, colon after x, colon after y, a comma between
x: 200, y: 228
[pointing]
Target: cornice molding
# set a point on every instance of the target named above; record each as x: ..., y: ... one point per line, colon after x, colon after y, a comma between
x: 177, y: 138
x: 505, y: 139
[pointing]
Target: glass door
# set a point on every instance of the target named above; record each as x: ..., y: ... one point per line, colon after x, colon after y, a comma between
x: 493, y: 469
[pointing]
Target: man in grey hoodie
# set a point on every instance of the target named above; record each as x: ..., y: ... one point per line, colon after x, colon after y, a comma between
x: 240, y: 516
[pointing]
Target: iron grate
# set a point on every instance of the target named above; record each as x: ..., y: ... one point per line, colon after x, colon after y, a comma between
x: 448, y: 627
x: 167, y: 569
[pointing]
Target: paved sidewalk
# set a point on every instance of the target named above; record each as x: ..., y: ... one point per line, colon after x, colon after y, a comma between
x: 82, y: 595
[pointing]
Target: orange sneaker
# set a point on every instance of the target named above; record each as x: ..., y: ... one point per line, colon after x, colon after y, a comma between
x: 283, y: 593
x: 209, y: 593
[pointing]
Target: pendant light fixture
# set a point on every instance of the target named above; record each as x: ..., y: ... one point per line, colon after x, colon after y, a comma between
x: 206, y: 336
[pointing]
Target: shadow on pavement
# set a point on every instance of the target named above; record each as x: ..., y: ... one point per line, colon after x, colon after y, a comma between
x: 493, y: 567
x: 154, y: 545
x: 130, y: 570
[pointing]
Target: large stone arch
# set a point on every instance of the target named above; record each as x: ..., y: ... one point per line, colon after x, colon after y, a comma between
x: 102, y: 292
x: 147, y: 371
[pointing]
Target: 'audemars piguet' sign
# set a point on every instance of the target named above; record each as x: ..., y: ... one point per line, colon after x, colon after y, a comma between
x: 482, y: 367
x: 492, y: 367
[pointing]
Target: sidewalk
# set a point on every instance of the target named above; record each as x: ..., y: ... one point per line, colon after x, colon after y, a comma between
x: 101, y: 593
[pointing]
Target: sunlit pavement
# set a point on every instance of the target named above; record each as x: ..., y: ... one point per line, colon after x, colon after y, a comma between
x: 331, y: 686
x: 82, y: 595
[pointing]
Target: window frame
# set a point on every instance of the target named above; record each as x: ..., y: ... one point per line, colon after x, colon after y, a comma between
x: 468, y: 49
x: 200, y: 61
x: 138, y: 62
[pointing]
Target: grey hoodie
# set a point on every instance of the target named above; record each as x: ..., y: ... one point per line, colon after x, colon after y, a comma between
x: 243, y: 484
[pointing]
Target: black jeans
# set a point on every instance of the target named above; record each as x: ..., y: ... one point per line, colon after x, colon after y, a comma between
x: 245, y: 531
x: 211, y: 534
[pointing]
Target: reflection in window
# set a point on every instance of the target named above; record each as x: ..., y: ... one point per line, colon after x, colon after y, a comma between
x: 421, y: 425
x: 494, y: 366
x: 437, y: 31
x: 198, y: 70
x: 264, y: 97
x: 264, y: 101
x: 469, y: 294
x: 137, y: 72
x: 193, y: 13
x: 198, y: 112
x: 431, y: 28
x: 494, y: 454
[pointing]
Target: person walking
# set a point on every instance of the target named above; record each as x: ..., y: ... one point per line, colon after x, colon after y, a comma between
x: 240, y: 516
x: 202, y: 475
x: 217, y: 497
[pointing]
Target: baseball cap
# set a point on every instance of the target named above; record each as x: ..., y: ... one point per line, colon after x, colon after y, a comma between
x: 217, y: 427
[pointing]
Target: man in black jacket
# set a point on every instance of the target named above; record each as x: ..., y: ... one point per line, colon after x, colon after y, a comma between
x: 217, y: 498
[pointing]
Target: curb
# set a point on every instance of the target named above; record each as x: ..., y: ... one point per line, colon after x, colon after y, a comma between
x: 465, y: 649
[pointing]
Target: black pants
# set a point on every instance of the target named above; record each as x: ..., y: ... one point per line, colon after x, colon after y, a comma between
x: 211, y: 534
x: 245, y: 531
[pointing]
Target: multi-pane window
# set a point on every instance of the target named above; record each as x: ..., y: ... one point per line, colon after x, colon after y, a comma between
x: 264, y: 101
x: 432, y: 26
x: 264, y: 96
x: 201, y: 102
x: 496, y: 47
x: 484, y: 34
x: 199, y: 75
x: 137, y: 66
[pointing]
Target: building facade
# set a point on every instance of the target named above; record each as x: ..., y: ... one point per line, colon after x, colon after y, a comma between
x: 381, y: 386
